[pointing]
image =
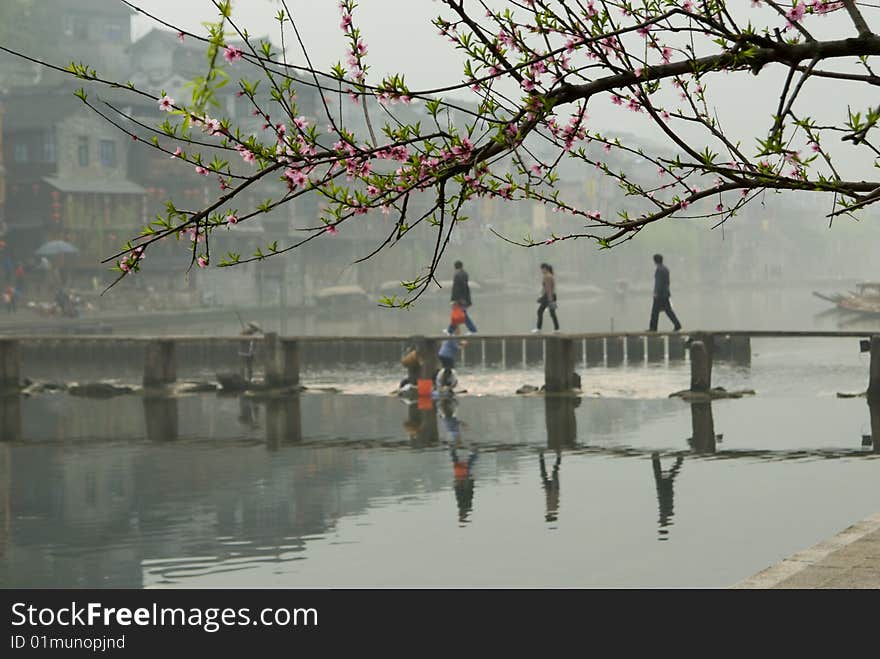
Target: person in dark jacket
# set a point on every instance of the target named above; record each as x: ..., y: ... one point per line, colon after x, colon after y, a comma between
x: 661, y: 296
x: 461, y: 295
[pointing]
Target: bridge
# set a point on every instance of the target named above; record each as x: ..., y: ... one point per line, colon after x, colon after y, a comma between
x: 283, y: 357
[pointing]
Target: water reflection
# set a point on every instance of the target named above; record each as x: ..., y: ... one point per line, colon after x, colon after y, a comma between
x: 84, y: 504
x: 663, y: 481
x: 283, y: 421
x: 703, y: 437
x: 463, y: 453
x: 248, y: 413
x: 551, y: 486
x: 161, y: 418
x: 560, y: 420
x: 874, y: 411
x: 10, y: 418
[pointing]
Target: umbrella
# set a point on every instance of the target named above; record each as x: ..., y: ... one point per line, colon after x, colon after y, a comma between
x: 55, y: 247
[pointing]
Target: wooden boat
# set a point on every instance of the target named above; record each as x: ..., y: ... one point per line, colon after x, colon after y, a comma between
x: 864, y: 301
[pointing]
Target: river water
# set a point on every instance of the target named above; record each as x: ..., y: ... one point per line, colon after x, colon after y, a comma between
x: 359, y: 488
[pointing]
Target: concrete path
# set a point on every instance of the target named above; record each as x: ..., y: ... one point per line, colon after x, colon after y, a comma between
x: 851, y: 559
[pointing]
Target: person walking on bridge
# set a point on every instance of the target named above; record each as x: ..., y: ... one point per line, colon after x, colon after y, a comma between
x: 461, y: 296
x: 661, y: 296
x: 548, y: 297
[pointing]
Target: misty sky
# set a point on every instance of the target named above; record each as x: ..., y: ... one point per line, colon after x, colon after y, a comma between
x: 401, y: 39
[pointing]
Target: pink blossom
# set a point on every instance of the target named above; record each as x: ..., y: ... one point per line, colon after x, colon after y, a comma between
x: 814, y: 147
x: 345, y: 24
x: 180, y: 36
x: 201, y: 170
x: 719, y: 208
x: 296, y: 177
x: 617, y: 100
x: 796, y: 13
x: 202, y: 261
x: 301, y: 123
x: 166, y: 103
x: 231, y: 220
x: 232, y: 54
x: 177, y: 152
x: 607, y: 148
x: 372, y: 190
x: 684, y: 204
x: 332, y: 230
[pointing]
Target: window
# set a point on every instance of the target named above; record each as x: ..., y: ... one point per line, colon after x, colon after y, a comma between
x: 49, y: 148
x: 82, y: 151
x: 20, y: 152
x: 108, y: 153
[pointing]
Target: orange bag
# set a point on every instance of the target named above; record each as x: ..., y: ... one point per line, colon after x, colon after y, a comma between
x: 425, y: 387
x: 457, y: 315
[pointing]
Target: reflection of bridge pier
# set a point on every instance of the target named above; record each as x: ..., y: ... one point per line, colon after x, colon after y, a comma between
x: 161, y: 418
x: 283, y: 421
x: 10, y: 418
x: 561, y: 423
x: 874, y: 409
x: 422, y: 419
x: 702, y: 439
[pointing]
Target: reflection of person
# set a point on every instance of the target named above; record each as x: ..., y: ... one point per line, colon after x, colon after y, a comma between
x: 247, y: 350
x: 551, y: 487
x: 464, y: 482
x: 247, y: 412
x: 548, y: 297
x: 462, y: 469
x: 665, y: 496
x: 661, y: 296
x: 461, y: 296
x: 447, y: 408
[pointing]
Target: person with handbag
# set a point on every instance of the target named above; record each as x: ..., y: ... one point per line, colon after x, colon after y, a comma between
x: 460, y: 300
x: 548, y: 297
